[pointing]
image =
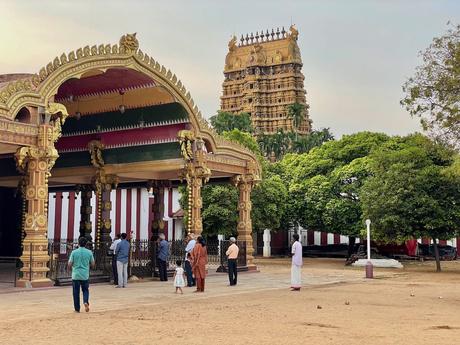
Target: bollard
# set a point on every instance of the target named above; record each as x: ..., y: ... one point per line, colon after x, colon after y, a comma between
x: 369, y: 270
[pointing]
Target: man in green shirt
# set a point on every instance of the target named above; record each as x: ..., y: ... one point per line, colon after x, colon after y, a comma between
x: 80, y: 261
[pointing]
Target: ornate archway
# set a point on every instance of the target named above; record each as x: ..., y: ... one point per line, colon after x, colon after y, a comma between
x: 200, y: 154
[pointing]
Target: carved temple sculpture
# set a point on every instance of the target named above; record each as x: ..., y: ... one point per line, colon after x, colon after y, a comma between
x: 110, y: 116
x: 262, y: 77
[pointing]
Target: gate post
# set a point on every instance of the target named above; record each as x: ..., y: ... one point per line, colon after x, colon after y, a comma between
x: 36, y: 163
x: 245, y: 184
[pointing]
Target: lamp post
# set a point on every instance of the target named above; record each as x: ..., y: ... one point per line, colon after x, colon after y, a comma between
x: 369, y: 267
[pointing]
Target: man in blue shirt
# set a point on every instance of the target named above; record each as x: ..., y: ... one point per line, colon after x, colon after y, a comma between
x: 79, y: 262
x: 187, y: 263
x: 122, y: 253
x: 163, y: 256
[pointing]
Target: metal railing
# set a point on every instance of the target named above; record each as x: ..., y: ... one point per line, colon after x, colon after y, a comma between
x: 9, y: 269
x: 142, y: 258
x: 59, y: 252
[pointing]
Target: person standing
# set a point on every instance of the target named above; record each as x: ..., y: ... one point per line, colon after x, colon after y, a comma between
x: 179, y: 281
x: 199, y: 261
x: 232, y: 256
x: 187, y: 263
x: 122, y: 253
x: 296, y: 267
x: 163, y: 256
x: 113, y: 247
x: 79, y: 262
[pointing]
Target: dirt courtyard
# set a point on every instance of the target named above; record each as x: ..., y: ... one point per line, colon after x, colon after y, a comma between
x: 335, y: 306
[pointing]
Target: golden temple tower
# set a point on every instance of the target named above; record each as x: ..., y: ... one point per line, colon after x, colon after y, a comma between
x: 263, y: 77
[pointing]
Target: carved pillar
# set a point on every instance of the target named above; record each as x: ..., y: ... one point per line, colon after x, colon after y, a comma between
x: 245, y: 184
x: 196, y: 173
x: 36, y: 163
x: 85, y: 211
x: 158, y: 207
x: 195, y: 203
x: 103, y: 185
x: 105, y: 208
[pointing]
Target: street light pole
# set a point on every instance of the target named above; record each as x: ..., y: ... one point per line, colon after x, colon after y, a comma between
x: 369, y: 266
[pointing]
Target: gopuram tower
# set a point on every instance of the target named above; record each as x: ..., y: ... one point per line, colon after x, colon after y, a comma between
x: 263, y: 77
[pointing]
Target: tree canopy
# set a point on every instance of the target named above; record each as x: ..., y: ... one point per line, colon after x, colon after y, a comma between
x: 433, y: 93
x: 324, y: 184
x: 224, y: 121
x: 413, y: 191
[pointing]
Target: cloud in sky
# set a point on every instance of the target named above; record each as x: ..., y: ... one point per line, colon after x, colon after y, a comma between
x: 356, y: 54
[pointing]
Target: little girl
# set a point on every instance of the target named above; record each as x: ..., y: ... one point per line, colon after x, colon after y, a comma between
x: 179, y: 281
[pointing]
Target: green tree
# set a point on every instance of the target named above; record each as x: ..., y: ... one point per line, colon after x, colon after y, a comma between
x: 224, y: 121
x: 297, y: 113
x: 324, y: 184
x: 413, y: 192
x: 305, y: 143
x: 243, y: 138
x: 433, y: 93
x: 220, y: 214
x: 268, y: 203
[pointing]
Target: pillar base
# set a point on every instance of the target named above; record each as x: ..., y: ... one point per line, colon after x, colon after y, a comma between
x: 22, y: 283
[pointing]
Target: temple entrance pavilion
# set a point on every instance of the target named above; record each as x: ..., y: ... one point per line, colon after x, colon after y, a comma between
x: 101, y: 117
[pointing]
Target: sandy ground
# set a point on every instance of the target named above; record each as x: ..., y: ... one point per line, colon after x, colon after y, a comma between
x: 335, y: 306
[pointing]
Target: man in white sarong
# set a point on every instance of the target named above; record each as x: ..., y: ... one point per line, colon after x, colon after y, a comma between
x: 296, y: 268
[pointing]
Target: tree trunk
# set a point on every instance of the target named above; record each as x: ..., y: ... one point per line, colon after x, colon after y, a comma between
x: 351, y: 246
x: 436, y: 255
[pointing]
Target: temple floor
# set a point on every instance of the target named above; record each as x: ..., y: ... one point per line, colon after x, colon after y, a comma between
x: 335, y: 306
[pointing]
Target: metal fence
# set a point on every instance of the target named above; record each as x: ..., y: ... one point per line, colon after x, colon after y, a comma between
x: 241, y: 261
x: 9, y: 270
x: 59, y: 252
x: 142, y: 258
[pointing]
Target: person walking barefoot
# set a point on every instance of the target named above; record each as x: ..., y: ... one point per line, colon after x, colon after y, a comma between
x: 179, y: 281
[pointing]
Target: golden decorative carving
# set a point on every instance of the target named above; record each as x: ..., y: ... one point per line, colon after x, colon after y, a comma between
x: 278, y: 57
x: 294, y: 32
x: 95, y: 148
x: 129, y: 43
x: 25, y: 154
x: 103, y: 181
x: 186, y: 139
x: 257, y: 55
x: 59, y: 114
x: 293, y: 48
x: 229, y: 59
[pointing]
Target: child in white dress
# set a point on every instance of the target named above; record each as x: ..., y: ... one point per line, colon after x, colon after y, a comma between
x: 179, y: 281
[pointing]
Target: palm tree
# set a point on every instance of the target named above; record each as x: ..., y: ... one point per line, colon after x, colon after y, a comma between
x: 296, y: 112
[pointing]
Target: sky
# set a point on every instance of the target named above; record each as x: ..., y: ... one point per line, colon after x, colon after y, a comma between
x: 356, y: 54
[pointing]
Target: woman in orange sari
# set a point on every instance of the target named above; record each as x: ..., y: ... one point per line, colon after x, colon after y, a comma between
x: 199, y: 261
